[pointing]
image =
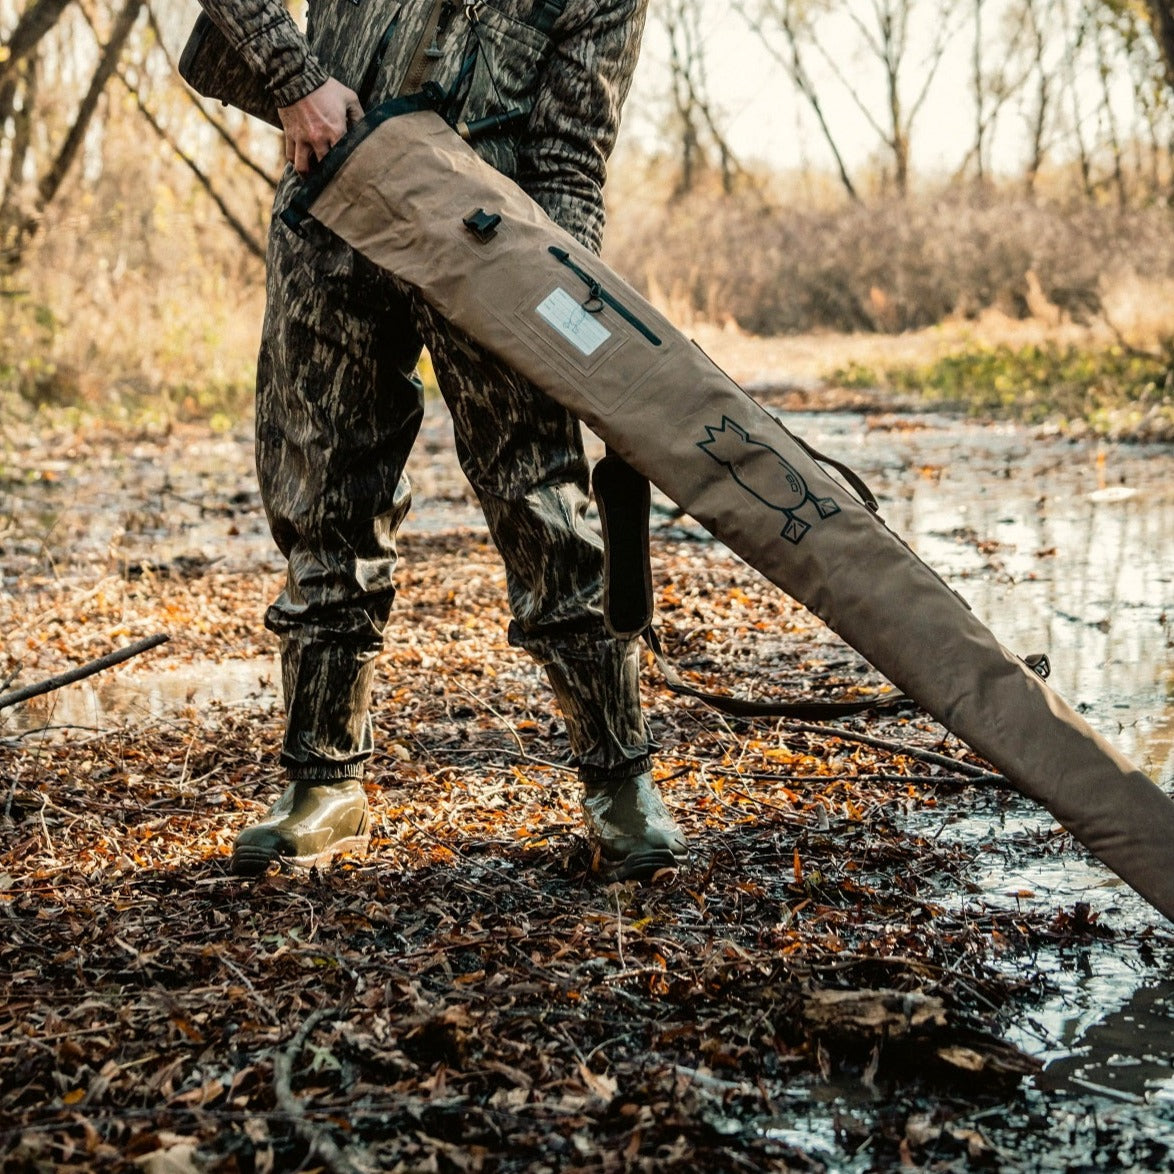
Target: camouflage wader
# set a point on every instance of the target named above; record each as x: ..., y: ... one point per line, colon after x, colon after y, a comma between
x: 338, y: 407
x: 338, y: 401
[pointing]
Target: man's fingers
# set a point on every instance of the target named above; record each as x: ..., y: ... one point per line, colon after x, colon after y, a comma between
x: 304, y: 152
x: 316, y: 122
x: 303, y: 159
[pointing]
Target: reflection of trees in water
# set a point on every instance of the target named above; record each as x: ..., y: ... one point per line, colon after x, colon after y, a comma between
x: 1011, y: 525
x: 1127, y: 1051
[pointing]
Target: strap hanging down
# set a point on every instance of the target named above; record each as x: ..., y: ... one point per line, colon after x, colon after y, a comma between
x: 810, y: 711
x: 624, y: 497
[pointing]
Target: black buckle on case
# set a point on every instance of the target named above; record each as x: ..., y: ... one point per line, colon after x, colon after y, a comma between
x: 482, y: 224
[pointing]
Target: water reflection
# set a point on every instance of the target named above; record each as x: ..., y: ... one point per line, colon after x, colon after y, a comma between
x: 1059, y: 547
x: 1125, y: 1054
x: 144, y: 695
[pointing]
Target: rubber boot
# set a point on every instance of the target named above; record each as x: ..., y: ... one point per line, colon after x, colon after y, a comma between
x: 311, y: 822
x: 628, y: 821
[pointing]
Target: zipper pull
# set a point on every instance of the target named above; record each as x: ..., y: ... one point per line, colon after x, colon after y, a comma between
x: 434, y: 51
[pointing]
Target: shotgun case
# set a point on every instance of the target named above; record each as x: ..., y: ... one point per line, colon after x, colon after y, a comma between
x: 407, y: 193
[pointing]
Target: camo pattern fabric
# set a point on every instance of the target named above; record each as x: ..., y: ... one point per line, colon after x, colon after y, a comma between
x: 339, y: 404
x: 572, y: 80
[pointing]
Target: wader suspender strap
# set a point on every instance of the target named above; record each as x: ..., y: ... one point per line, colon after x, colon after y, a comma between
x: 542, y: 19
x: 624, y: 498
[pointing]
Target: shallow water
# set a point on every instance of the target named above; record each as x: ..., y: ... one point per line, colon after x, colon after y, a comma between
x: 1060, y: 547
x: 1065, y: 548
x: 145, y: 694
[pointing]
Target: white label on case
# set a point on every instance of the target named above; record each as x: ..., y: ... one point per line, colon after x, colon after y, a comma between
x: 582, y: 330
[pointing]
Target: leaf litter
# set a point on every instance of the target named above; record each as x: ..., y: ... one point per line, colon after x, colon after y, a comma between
x: 470, y: 995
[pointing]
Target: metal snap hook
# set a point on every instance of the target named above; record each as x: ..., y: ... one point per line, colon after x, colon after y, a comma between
x: 594, y: 302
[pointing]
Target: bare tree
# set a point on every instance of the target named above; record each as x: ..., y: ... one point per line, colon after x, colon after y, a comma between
x: 19, y: 224
x: 882, y: 30
x: 697, y: 124
x: 248, y: 238
x: 1144, y: 38
x: 228, y: 139
x: 1161, y: 14
x: 980, y: 92
x: 57, y: 61
x: 1107, y: 115
x: 788, y: 14
x: 1074, y: 26
x: 50, y: 183
x: 35, y: 23
x: 1039, y: 16
x: 18, y: 52
x: 1000, y: 69
x: 20, y: 114
x: 1105, y: 43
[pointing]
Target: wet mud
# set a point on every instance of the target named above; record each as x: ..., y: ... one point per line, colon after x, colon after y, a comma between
x: 1064, y: 547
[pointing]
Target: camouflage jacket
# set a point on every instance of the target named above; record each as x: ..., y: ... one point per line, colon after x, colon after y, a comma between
x: 572, y: 79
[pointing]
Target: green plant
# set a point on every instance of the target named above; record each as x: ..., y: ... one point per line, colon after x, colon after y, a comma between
x: 1113, y: 390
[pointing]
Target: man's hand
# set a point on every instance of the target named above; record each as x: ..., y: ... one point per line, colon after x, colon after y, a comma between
x: 313, y: 124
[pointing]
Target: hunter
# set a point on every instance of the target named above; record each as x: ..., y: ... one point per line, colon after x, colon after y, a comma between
x: 339, y: 404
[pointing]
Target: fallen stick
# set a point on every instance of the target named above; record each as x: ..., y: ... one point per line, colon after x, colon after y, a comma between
x: 334, y: 1157
x: 972, y: 772
x: 82, y: 671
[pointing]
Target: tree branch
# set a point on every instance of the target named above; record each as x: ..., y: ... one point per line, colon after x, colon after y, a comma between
x: 796, y: 71
x: 51, y: 182
x: 322, y: 1146
x: 82, y: 671
x: 234, y: 222
x: 221, y: 130
x: 35, y: 23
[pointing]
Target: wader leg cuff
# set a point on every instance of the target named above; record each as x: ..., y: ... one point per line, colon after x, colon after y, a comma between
x: 590, y: 775
x: 327, y: 691
x: 596, y: 682
x: 302, y: 772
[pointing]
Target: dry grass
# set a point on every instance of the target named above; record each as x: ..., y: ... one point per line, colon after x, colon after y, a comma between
x: 775, y: 267
x: 137, y: 301
x: 135, y: 295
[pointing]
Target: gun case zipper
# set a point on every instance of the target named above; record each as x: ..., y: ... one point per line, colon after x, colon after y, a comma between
x: 600, y: 295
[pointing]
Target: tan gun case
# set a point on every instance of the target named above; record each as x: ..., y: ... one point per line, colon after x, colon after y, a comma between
x: 407, y: 193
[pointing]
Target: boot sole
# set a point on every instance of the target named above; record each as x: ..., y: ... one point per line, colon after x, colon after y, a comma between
x: 642, y: 865
x: 254, y: 860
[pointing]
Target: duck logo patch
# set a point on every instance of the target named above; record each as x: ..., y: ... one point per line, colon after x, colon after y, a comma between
x: 770, y: 478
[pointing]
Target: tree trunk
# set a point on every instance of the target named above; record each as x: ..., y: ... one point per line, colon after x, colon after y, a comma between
x: 34, y: 24
x: 979, y: 96
x: 1162, y: 21
x: 13, y: 221
x: 52, y: 180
